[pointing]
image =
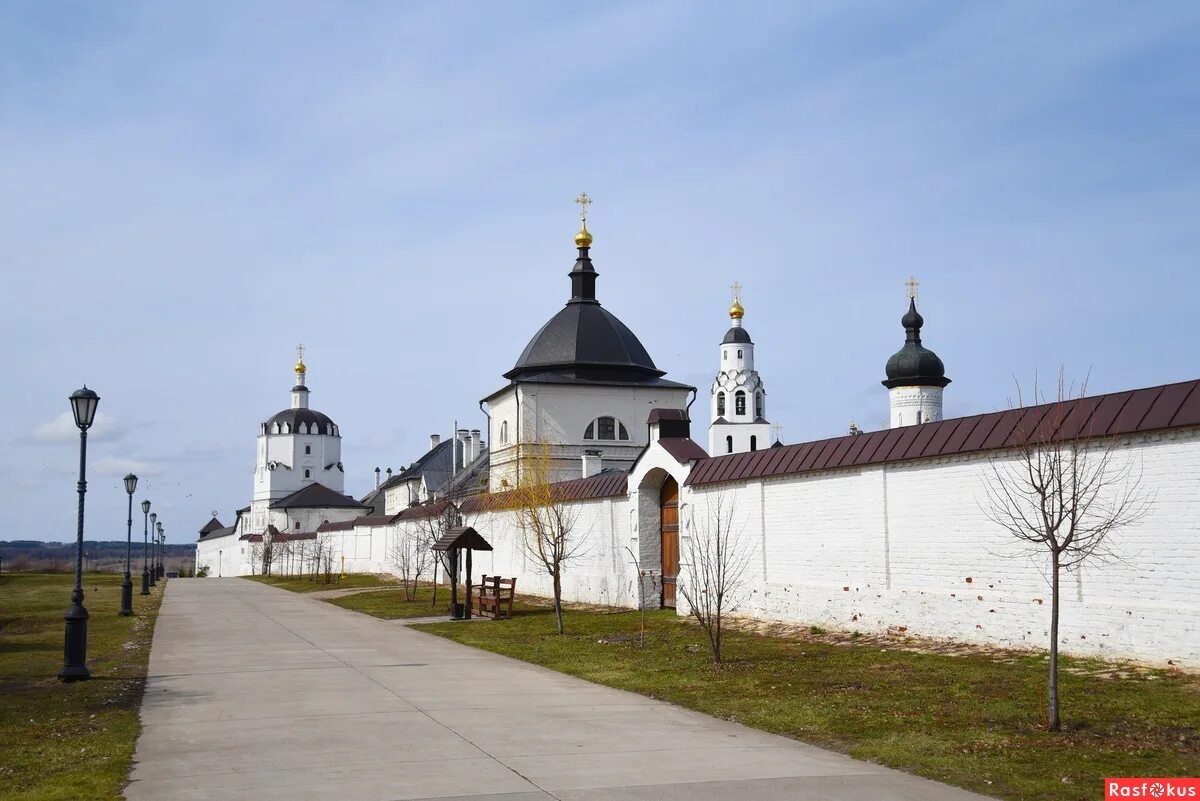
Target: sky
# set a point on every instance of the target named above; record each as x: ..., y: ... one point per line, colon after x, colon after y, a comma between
x: 190, y: 189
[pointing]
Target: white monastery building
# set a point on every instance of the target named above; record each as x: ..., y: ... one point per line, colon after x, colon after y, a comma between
x: 878, y: 532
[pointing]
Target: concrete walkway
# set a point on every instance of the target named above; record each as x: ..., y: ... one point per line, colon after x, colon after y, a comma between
x: 259, y: 693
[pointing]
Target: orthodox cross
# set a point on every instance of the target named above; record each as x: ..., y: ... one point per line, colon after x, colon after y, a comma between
x: 737, y: 292
x: 912, y: 283
x: 299, y: 353
x: 584, y: 201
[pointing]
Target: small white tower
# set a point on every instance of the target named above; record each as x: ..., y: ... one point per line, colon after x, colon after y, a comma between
x: 739, y: 399
x: 915, y: 374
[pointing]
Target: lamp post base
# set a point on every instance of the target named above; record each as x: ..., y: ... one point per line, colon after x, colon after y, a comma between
x: 75, y: 646
x: 145, y: 582
x: 127, y: 596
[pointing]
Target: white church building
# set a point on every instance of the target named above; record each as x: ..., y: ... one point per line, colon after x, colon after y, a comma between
x: 880, y: 532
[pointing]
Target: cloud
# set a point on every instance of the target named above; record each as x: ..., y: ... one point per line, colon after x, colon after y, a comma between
x: 116, y: 466
x: 62, y: 429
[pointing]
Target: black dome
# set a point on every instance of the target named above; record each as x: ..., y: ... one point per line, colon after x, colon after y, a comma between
x: 293, y: 419
x: 585, y: 335
x: 736, y: 334
x: 584, y: 339
x: 914, y: 365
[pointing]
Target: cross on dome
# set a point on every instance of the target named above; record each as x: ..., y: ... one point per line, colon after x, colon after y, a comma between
x: 911, y: 284
x: 300, y: 368
x: 584, y: 201
x: 583, y: 239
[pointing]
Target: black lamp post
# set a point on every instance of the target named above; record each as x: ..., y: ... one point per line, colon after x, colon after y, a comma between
x: 83, y: 406
x: 162, y: 538
x: 145, y: 537
x: 127, y: 584
x: 149, y: 572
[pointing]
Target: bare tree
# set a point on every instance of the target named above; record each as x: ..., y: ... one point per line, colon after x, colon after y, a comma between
x: 431, y: 528
x: 545, y: 522
x: 716, y: 562
x: 1062, y: 491
x: 321, y: 557
x: 642, y: 577
x: 409, y: 552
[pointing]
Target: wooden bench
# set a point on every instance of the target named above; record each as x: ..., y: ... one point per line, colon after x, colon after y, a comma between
x: 494, y: 596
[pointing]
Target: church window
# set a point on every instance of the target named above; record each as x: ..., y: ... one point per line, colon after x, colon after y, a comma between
x: 725, y: 355
x: 624, y: 433
x: 729, y: 444
x: 720, y: 404
x: 308, y: 449
x: 753, y: 442
x: 739, y: 402
x: 739, y: 353
x: 606, y: 428
x: 307, y: 473
x: 297, y: 526
x: 590, y: 431
x: 919, y: 420
x: 758, y: 404
x: 504, y: 432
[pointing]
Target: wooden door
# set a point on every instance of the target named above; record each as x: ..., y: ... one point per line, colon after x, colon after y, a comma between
x: 668, y: 501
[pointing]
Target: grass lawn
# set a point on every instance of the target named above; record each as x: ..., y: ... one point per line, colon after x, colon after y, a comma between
x: 69, y: 741
x: 317, y: 583
x: 975, y: 721
x: 391, y: 604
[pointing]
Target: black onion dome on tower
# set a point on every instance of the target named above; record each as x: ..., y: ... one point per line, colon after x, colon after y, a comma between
x: 914, y: 365
x: 585, y: 340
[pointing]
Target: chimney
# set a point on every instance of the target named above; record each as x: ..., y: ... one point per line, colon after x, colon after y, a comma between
x: 591, y: 463
x: 434, y: 439
x: 476, y: 447
x: 464, y: 439
x: 376, y: 478
x: 389, y: 472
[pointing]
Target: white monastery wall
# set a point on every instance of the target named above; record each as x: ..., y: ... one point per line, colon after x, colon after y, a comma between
x: 903, y: 547
x: 907, y: 548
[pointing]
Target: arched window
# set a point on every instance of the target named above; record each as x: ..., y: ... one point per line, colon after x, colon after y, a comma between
x: 758, y: 404
x: 724, y: 355
x: 739, y: 353
x: 504, y: 433
x: 308, y: 449
x: 307, y: 473
x: 729, y: 444
x: 720, y: 404
x: 753, y: 442
x: 297, y: 525
x: 739, y: 402
x: 606, y: 428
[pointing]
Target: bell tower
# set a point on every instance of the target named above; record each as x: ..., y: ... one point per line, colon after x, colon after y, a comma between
x: 739, y: 399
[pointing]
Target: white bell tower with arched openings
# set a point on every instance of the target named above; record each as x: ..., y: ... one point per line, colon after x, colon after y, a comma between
x: 739, y: 399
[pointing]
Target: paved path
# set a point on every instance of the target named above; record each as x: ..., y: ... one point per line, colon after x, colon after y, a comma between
x: 259, y: 693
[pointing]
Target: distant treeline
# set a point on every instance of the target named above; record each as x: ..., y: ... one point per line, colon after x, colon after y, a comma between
x: 98, y: 555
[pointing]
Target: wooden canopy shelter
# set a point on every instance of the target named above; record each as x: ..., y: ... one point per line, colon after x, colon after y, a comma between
x: 452, y: 544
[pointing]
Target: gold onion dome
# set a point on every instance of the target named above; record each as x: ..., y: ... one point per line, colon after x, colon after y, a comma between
x: 583, y: 239
x: 736, y: 312
x: 300, y: 368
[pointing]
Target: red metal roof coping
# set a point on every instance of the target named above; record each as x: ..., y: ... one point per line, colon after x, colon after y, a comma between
x: 1150, y: 409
